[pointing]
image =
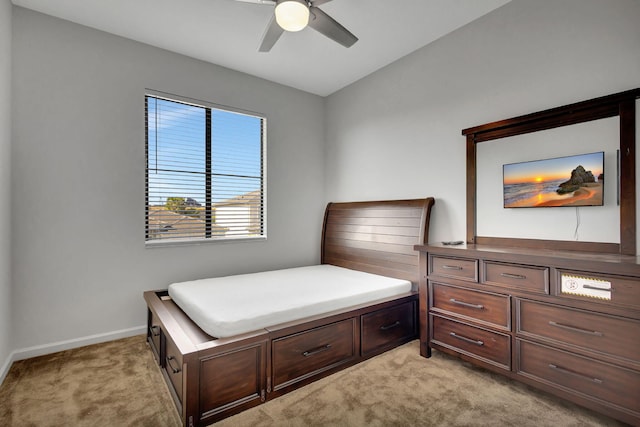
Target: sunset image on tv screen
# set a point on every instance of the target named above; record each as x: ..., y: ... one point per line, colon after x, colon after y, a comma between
x: 563, y: 181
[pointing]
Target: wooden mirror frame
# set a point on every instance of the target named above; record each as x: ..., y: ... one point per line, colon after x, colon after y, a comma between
x: 621, y: 104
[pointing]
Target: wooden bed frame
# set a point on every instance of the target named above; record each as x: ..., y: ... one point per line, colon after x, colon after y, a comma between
x: 212, y: 378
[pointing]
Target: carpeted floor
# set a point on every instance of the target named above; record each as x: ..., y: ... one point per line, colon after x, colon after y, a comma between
x: 118, y: 384
x: 105, y: 385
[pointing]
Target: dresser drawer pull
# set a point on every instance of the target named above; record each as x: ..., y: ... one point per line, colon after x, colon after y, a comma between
x: 575, y: 374
x: 465, y: 339
x: 466, y: 304
x: 451, y: 267
x: 391, y: 326
x: 596, y: 288
x: 574, y: 329
x: 513, y: 276
x: 316, y: 350
x: 170, y: 365
x: 154, y: 330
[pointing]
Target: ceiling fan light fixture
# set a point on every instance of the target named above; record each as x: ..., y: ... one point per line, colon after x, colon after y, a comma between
x: 292, y: 15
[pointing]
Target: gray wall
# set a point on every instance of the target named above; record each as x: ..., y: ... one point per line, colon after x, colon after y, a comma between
x: 5, y: 184
x: 80, y: 263
x: 397, y: 132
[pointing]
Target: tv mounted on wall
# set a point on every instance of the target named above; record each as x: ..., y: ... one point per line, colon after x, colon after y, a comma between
x: 576, y: 180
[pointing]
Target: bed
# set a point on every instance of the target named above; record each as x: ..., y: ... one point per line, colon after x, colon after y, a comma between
x: 360, y: 301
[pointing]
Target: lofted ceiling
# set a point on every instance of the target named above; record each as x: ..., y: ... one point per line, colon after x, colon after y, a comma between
x: 228, y: 33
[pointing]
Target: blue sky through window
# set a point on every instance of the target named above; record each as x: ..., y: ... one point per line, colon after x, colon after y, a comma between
x: 176, y: 135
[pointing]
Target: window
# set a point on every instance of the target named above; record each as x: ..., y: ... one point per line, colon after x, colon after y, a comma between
x: 205, y: 172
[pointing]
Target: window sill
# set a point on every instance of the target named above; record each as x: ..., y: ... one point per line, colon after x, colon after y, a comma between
x: 153, y: 244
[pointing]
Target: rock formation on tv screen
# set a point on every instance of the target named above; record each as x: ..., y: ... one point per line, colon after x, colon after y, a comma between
x: 579, y: 177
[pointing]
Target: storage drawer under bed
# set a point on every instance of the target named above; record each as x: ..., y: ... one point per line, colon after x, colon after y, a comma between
x: 301, y: 356
x: 153, y: 335
x: 172, y: 364
x: 388, y: 327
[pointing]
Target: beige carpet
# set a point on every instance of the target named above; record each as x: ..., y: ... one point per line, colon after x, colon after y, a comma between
x: 104, y: 385
x: 118, y: 384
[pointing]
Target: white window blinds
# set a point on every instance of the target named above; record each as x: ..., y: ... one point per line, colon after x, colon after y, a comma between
x: 204, y: 173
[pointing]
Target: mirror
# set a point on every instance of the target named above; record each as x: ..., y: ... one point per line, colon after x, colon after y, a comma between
x: 602, y: 124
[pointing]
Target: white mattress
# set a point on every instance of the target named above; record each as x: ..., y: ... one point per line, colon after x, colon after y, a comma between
x: 232, y: 305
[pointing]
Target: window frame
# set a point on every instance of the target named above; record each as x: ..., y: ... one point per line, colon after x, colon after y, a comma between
x: 209, y: 204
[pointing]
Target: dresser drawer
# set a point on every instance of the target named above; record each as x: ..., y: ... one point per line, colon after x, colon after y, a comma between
x: 384, y: 328
x: 606, y: 334
x: 484, y: 307
x: 173, y: 366
x: 586, y: 377
x: 623, y: 291
x: 526, y: 278
x: 300, y: 356
x: 457, y: 268
x: 491, y: 347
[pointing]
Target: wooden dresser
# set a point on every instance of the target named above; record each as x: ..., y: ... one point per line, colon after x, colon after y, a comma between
x: 565, y: 322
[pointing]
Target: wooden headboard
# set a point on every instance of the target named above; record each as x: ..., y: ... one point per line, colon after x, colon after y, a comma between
x: 377, y: 237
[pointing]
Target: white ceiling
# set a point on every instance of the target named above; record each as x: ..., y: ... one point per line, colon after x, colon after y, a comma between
x: 228, y: 33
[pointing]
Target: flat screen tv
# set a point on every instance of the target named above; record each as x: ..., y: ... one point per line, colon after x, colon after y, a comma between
x: 562, y: 181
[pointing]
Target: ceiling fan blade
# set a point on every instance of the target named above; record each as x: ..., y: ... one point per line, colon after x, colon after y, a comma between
x: 317, y: 2
x: 271, y: 2
x: 271, y: 35
x: 326, y: 25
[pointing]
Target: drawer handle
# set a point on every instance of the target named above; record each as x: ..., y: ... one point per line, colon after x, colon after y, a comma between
x: 174, y: 370
x: 575, y: 374
x: 574, y: 329
x: 513, y: 276
x: 316, y: 350
x: 466, y: 304
x: 596, y: 288
x: 451, y: 267
x: 465, y: 339
x: 154, y: 330
x: 391, y: 326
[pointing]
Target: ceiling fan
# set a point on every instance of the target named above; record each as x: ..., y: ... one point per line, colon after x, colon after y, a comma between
x: 294, y: 15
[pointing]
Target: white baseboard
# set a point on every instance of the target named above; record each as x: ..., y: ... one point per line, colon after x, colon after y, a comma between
x: 41, y: 350
x: 4, y: 370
